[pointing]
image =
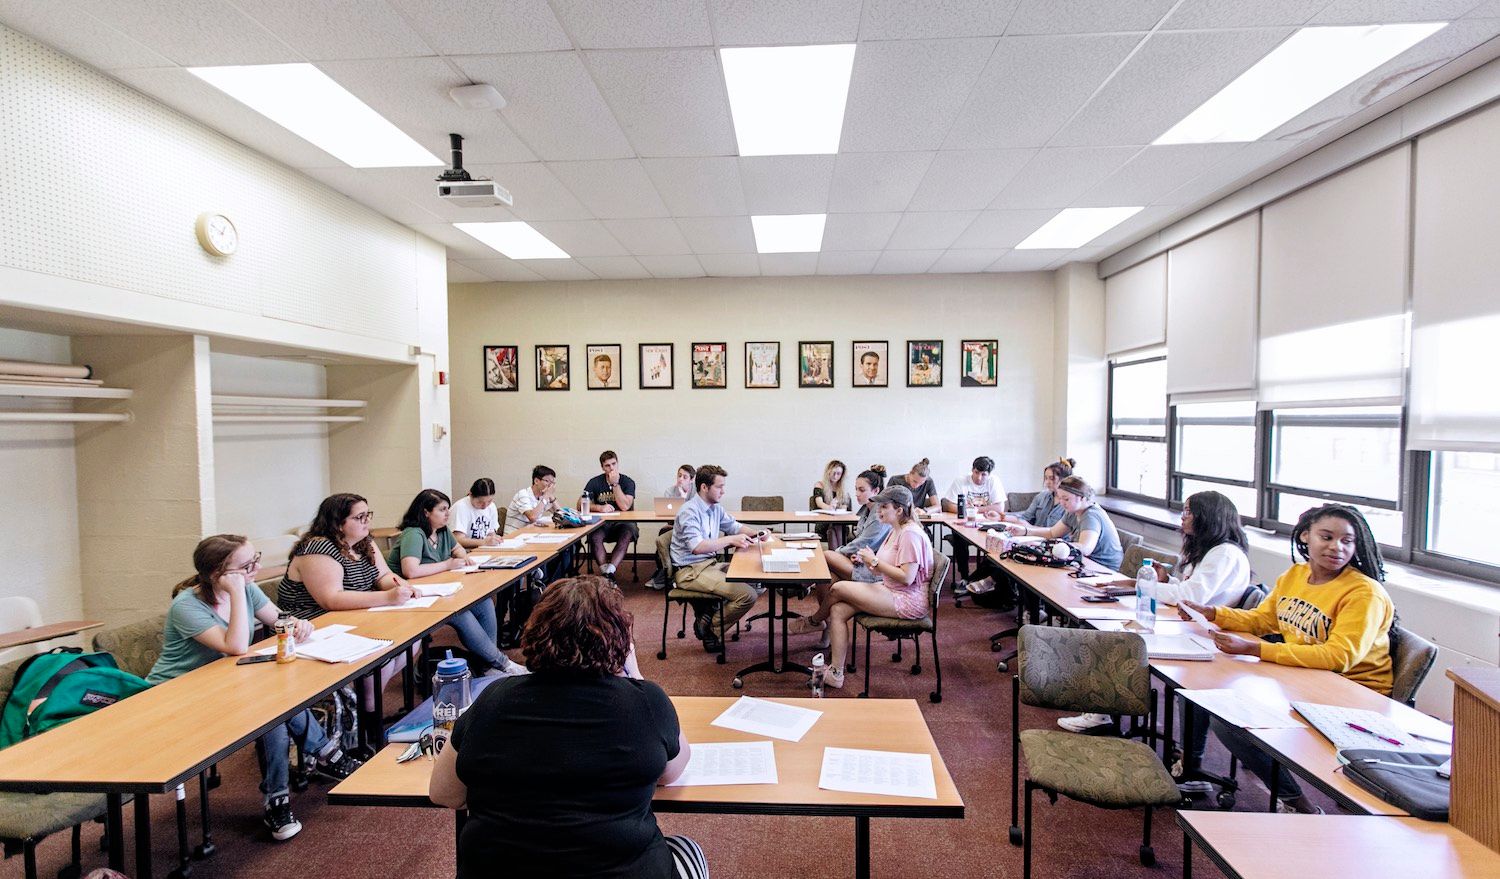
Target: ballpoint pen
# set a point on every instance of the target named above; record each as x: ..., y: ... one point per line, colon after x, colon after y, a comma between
x: 1377, y: 735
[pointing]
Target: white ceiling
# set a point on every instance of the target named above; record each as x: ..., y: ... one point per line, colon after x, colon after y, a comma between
x: 969, y: 122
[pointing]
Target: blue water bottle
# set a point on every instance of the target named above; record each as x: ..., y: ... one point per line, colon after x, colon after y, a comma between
x: 450, y: 698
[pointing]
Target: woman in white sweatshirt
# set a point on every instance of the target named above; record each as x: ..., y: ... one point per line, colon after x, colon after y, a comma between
x: 1215, y: 570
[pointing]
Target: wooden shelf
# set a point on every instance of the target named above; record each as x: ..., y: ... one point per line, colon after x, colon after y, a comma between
x: 82, y: 392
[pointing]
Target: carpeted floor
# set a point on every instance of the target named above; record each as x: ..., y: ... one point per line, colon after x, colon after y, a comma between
x: 971, y: 727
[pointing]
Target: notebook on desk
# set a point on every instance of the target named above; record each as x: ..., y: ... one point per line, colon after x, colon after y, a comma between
x: 667, y: 506
x: 507, y: 562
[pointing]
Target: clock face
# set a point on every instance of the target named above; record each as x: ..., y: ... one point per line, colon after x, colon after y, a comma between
x: 217, y: 234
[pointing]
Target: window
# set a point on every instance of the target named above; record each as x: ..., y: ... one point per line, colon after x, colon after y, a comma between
x: 1349, y: 455
x: 1465, y: 506
x: 1138, y: 427
x: 1215, y: 451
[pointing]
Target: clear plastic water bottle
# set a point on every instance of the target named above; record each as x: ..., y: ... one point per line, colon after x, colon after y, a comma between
x: 1145, y: 596
x: 819, y: 665
x: 450, y: 698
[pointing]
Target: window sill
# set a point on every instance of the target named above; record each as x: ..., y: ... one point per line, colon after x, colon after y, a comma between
x: 1149, y: 513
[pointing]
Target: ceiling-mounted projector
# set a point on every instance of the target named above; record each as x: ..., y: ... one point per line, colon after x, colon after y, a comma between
x: 457, y: 187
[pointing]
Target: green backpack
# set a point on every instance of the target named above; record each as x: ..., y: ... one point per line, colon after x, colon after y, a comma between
x: 53, y: 688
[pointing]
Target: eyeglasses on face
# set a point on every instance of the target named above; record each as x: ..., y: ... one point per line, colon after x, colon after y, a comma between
x: 366, y: 516
x: 250, y: 565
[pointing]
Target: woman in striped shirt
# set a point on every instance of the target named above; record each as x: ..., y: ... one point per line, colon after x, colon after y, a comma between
x: 335, y: 565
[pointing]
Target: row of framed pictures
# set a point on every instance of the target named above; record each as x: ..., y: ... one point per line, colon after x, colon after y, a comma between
x: 870, y: 365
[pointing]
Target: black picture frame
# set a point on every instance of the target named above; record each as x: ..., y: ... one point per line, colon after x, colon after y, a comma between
x: 710, y: 382
x: 989, y: 349
x: 930, y: 374
x: 591, y: 375
x: 649, y: 351
x: 557, y: 382
x: 751, y: 382
x: 857, y: 352
x: 496, y: 375
x: 811, y: 371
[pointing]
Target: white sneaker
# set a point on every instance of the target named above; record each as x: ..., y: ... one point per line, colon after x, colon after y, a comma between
x: 1083, y: 722
x: 607, y: 569
x: 1286, y: 809
x: 979, y: 587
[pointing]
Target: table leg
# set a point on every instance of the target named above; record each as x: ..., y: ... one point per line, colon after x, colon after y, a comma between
x: 1274, y: 783
x: 771, y: 631
x: 143, y: 835
x: 861, y: 847
x: 1189, y: 761
x: 114, y: 824
x: 773, y: 663
x: 1169, y: 693
x: 1187, y: 856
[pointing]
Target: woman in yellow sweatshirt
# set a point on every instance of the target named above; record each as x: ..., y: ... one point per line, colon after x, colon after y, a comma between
x: 1330, y: 610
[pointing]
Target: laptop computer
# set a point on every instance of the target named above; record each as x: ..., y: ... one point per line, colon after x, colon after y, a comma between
x: 667, y: 506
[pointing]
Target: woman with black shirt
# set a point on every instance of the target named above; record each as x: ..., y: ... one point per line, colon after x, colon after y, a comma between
x: 557, y: 768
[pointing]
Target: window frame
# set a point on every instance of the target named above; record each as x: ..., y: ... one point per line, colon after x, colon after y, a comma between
x: 1111, y: 462
x: 1176, y: 476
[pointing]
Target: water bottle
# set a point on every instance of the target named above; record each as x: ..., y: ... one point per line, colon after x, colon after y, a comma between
x: 963, y: 504
x: 1145, y: 596
x: 450, y: 698
x: 816, y: 682
x: 286, y: 638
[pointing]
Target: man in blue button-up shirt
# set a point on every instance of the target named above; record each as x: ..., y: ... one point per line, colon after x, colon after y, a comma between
x: 701, y: 531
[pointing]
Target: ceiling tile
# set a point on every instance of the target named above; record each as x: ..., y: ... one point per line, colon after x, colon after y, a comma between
x: 338, y: 28
x: 1250, y: 161
x: 367, y: 191
x: 1490, y: 9
x: 1032, y: 86
x: 850, y: 263
x: 501, y: 269
x: 1391, y: 11
x: 614, y: 268
x: 612, y: 189
x: 192, y: 33
x: 559, y: 269
x: 63, y: 25
x: 965, y: 261
x: 460, y: 245
x: 1154, y: 172
x: 718, y: 234
x: 458, y: 273
x: 580, y: 237
x: 1086, y: 16
x: 1054, y: 178
x: 778, y: 22
x: 788, y: 264
x: 552, y: 104
x: 1027, y: 260
x: 701, y: 187
x: 786, y: 184
x: 417, y: 186
x: 671, y: 102
x: 730, y: 265
x: 872, y: 182
x: 967, y: 179
x: 413, y: 94
x: 538, y: 194
x: 904, y: 95
x: 680, y: 266
x: 647, y: 236
x: 1214, y: 14
x: 867, y: 232
x: 478, y: 27
x: 1129, y: 231
x: 1167, y: 79
x: 923, y: 19
x: 1002, y: 229
x: 929, y: 231
x: 905, y: 262
x: 635, y: 24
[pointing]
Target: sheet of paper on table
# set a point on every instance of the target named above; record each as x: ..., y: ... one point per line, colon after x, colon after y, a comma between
x: 762, y: 717
x: 729, y: 763
x: 878, y: 772
x: 1245, y: 712
x: 413, y: 604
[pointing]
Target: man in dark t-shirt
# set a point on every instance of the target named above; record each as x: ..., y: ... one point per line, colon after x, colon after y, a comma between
x: 611, y: 491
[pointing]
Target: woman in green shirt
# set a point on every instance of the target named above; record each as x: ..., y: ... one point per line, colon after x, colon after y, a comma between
x: 427, y: 546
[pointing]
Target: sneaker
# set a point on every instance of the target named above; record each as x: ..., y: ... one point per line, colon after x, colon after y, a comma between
x: 1196, y: 788
x: 1286, y: 808
x: 1083, y: 722
x: 979, y: 587
x: 509, y: 668
x: 280, y: 820
x: 833, y: 677
x: 961, y: 590
x: 335, y: 767
x: 607, y: 570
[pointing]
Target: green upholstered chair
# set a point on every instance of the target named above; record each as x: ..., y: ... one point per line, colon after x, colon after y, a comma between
x: 1130, y: 565
x: 1084, y: 670
x: 899, y: 630
x: 684, y: 597
x: 135, y: 646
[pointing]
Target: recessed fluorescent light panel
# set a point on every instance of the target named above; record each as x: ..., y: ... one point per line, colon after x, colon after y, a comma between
x: 1313, y: 64
x: 516, y: 240
x: 307, y: 102
x: 1076, y: 227
x: 789, y: 233
x: 788, y: 100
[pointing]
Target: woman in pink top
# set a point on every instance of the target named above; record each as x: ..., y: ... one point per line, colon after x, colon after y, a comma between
x: 904, y: 564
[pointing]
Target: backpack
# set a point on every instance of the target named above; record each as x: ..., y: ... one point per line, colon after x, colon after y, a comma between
x: 1044, y: 554
x: 568, y: 518
x: 53, y: 688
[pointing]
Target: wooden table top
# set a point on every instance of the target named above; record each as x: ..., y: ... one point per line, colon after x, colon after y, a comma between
x: 46, y: 632
x: 745, y: 566
x: 1250, y: 845
x: 1482, y: 682
x: 873, y: 724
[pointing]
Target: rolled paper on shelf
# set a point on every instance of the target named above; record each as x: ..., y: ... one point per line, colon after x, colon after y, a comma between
x: 45, y: 370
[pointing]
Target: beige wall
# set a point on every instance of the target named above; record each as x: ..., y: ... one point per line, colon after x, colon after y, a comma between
x: 771, y: 441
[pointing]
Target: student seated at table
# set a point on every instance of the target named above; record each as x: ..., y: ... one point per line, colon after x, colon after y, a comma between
x: 919, y: 482
x: 1332, y: 613
x: 1084, y: 524
x: 609, y: 492
x: 829, y: 494
x: 683, y: 487
x: 702, y: 530
x: 558, y: 768
x: 213, y: 614
x: 1044, y: 509
x: 983, y: 496
x: 869, y: 532
x: 475, y: 518
x: 427, y: 546
x: 335, y: 565
x: 904, y: 566
x: 534, y: 504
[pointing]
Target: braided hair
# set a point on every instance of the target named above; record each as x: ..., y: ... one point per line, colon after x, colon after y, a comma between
x: 1367, y: 558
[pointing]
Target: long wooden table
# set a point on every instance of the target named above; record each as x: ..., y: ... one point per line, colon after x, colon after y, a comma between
x: 871, y: 724
x: 746, y: 567
x: 46, y: 632
x: 164, y: 736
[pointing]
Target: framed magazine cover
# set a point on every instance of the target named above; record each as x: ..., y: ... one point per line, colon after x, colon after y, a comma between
x: 603, y: 365
x: 814, y: 364
x: 552, y: 368
x: 924, y: 364
x: 710, y: 366
x: 870, y: 364
x: 762, y: 364
x: 979, y: 363
x: 502, y: 368
x: 657, y: 366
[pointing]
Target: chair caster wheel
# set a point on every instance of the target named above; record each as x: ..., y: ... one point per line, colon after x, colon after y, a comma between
x: 916, y: 670
x: 69, y: 872
x: 1015, y: 837
x: 682, y: 633
x: 719, y: 660
x: 895, y: 657
x: 994, y: 647
x: 1148, y: 856
x: 934, y: 698
x: 205, y: 851
x: 661, y: 654
x: 1002, y: 666
x: 1225, y: 799
x: 737, y: 684
x: 862, y: 695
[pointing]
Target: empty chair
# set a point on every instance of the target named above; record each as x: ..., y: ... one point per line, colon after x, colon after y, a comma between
x: 1139, y: 552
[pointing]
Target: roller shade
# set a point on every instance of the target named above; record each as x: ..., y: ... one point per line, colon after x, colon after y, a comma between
x: 1455, y: 405
x: 1211, y: 311
x: 1135, y: 307
x: 1333, y: 288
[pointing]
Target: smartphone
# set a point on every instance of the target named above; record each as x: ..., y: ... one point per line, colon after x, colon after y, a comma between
x: 253, y: 659
x: 1101, y: 599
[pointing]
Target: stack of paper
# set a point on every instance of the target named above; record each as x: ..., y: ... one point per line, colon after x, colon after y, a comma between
x: 343, y: 647
x: 509, y: 543
x: 1178, y: 647
x: 878, y: 772
x: 729, y: 763
x: 318, y: 635
x: 437, y: 590
x: 763, y: 717
x: 800, y: 535
x: 412, y: 604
